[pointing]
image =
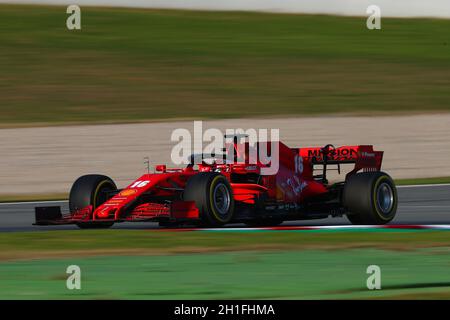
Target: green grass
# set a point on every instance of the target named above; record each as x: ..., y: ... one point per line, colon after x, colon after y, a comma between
x: 26, y: 245
x: 144, y: 65
x: 419, y: 181
x: 33, y: 197
x: 149, y: 264
x: 310, y: 274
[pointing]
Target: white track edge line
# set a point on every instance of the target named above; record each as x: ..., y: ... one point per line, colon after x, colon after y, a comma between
x: 424, y: 185
x: 32, y: 202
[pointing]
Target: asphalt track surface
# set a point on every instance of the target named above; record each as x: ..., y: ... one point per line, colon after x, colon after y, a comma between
x: 417, y: 205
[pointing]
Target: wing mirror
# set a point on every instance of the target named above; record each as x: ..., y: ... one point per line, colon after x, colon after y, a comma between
x: 161, y: 168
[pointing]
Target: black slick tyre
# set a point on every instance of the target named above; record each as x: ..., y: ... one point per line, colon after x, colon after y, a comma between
x: 213, y: 197
x: 91, y: 189
x: 371, y: 198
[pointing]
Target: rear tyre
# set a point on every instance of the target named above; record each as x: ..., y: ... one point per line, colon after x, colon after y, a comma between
x: 213, y: 197
x: 371, y: 198
x: 91, y: 190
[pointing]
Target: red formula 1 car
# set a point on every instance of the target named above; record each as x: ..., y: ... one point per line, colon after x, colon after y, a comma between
x: 217, y: 192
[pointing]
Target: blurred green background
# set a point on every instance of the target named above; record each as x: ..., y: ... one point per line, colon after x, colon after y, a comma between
x: 141, y: 65
x: 129, y: 65
x: 151, y: 264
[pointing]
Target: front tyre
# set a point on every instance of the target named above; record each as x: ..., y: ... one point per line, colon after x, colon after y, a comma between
x: 91, y: 190
x: 213, y: 197
x: 371, y: 198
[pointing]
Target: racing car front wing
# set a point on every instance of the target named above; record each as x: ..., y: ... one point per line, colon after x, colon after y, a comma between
x: 179, y: 210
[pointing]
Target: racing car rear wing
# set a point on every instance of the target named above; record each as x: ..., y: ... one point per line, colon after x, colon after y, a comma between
x: 363, y: 156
